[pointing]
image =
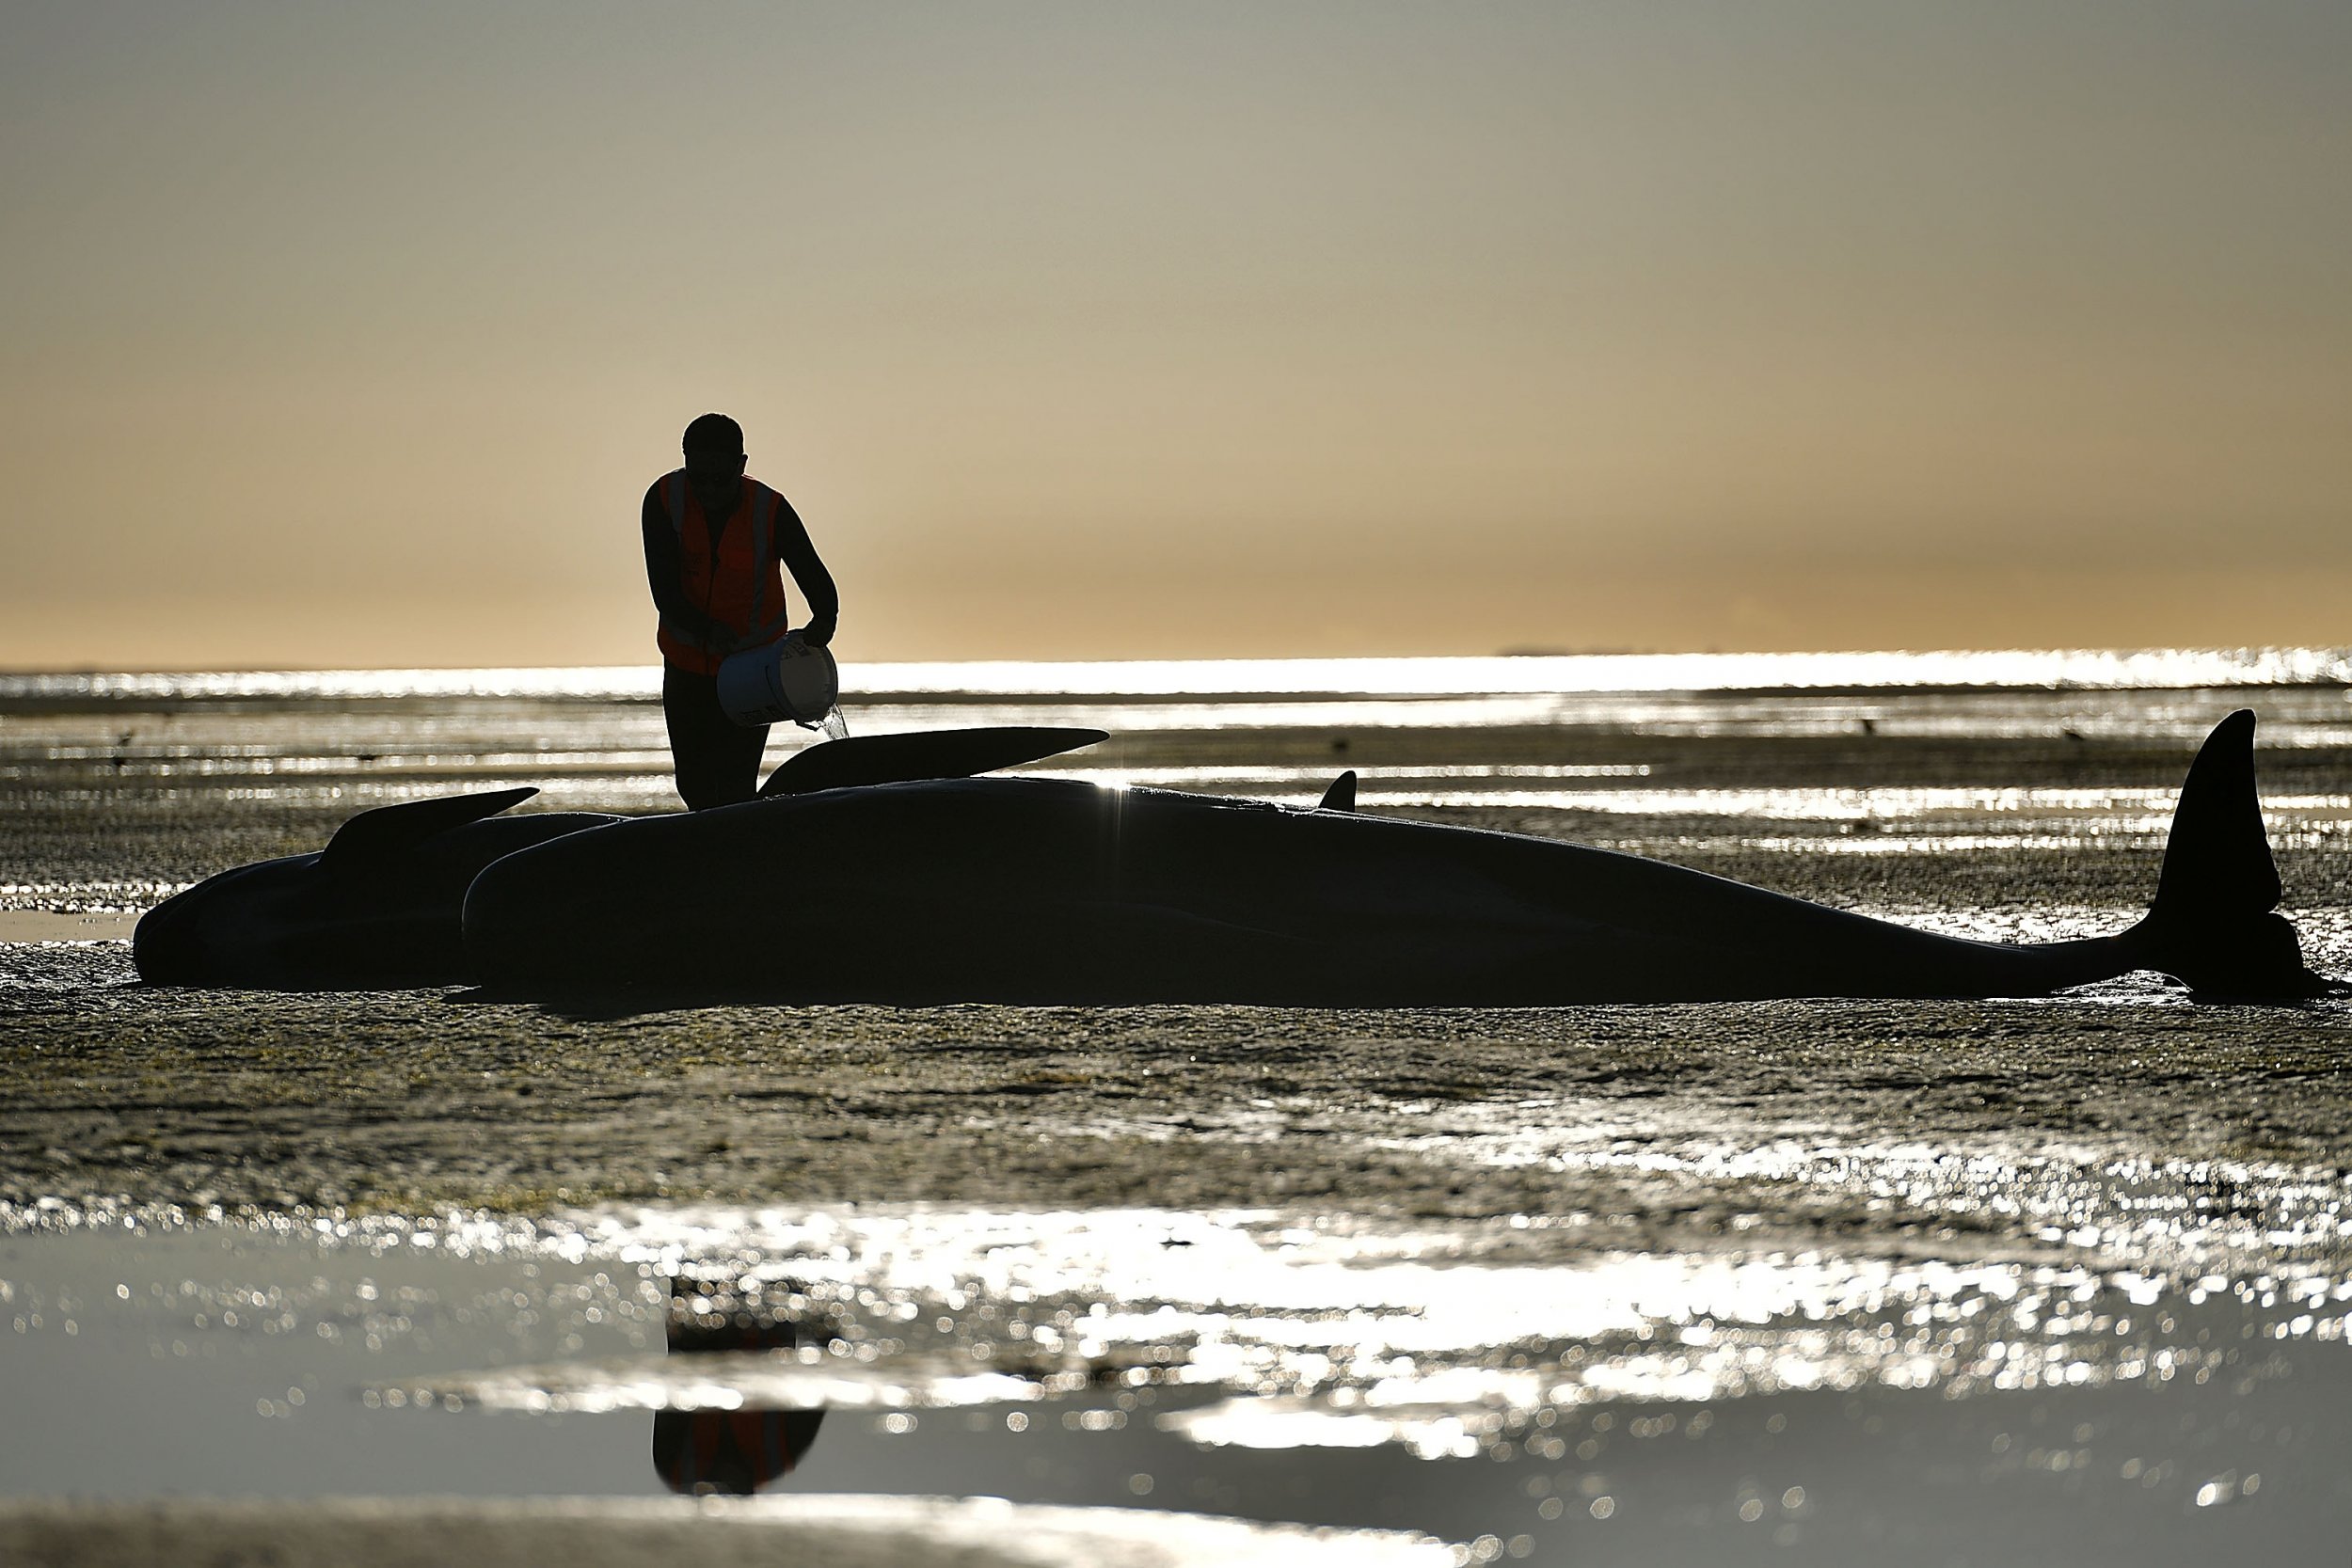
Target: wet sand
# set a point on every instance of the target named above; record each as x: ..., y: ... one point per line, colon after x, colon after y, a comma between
x: 842, y: 1532
x: 421, y: 1102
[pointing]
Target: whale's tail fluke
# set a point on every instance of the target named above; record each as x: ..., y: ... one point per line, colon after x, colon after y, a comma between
x: 2214, y: 923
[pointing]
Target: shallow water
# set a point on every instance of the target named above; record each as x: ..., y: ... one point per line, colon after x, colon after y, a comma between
x: 2063, y: 1280
x: 1547, y: 1412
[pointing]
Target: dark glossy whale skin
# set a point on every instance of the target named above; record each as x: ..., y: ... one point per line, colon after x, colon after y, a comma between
x: 300, y: 923
x: 1051, y: 890
x: 379, y: 907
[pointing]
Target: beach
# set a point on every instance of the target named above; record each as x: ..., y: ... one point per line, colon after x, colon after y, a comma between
x: 2058, y: 1281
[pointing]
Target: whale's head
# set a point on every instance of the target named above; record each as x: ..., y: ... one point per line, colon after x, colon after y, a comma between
x: 379, y: 907
x: 269, y: 924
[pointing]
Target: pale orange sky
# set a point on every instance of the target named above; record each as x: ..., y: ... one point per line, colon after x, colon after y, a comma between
x: 353, y: 335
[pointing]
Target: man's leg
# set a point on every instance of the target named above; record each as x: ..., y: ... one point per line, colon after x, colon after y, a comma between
x: 717, y: 759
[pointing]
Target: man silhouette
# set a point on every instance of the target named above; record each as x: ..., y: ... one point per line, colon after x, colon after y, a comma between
x: 714, y: 539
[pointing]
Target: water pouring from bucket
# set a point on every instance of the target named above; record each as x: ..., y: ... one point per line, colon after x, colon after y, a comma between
x: 786, y: 680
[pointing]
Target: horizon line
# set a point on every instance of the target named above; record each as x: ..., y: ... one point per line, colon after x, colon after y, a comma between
x: 1518, y: 655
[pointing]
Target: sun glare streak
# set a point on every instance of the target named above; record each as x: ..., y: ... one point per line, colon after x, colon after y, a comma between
x: 1533, y: 675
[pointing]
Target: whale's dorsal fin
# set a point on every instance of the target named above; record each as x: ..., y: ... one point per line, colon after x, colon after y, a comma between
x: 387, y: 830
x: 874, y: 759
x: 1342, y: 795
x: 2217, y: 861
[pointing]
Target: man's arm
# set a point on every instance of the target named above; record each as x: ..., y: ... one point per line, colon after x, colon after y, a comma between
x: 665, y: 574
x: 800, y: 558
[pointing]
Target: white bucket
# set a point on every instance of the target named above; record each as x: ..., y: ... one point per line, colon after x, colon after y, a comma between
x: 785, y: 680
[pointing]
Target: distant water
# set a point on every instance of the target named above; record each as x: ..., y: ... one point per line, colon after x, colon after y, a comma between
x: 1549, y: 674
x: 1682, y: 757
x: 1488, y: 724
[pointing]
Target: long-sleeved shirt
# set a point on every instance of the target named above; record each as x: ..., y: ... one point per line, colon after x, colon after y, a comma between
x: 665, y: 570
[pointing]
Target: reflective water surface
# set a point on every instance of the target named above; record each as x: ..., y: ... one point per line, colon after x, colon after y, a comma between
x: 1633, y: 1407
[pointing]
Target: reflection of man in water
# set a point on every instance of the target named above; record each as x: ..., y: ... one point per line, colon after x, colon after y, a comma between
x: 731, y: 1451
x: 714, y: 537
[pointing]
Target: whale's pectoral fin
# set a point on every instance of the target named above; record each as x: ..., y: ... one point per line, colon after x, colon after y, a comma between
x: 374, y: 835
x: 874, y: 759
x: 2212, y: 923
x: 1342, y: 795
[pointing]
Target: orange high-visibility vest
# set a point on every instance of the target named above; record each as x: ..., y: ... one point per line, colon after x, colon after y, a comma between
x: 737, y: 582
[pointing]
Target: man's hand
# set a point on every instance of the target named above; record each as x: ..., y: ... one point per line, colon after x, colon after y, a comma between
x: 816, y: 634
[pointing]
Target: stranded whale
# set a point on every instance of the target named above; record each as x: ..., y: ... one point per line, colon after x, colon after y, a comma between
x: 1031, y: 889
x: 379, y: 907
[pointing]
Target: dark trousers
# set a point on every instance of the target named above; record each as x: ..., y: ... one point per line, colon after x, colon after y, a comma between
x: 717, y: 759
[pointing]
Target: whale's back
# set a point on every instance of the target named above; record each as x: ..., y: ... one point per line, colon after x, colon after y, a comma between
x: 1024, y: 889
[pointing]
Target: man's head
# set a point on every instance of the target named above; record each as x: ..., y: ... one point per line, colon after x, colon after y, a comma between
x: 714, y: 447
